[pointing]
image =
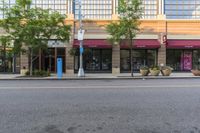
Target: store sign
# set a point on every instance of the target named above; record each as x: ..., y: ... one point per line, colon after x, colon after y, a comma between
x: 164, y: 40
x: 55, y: 43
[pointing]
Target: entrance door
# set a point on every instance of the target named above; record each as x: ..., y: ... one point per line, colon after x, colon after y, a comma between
x: 51, y: 58
x: 186, y: 60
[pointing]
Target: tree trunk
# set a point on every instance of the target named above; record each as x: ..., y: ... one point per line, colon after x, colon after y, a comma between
x: 131, y: 59
x: 40, y: 59
x: 4, y: 58
x: 31, y: 62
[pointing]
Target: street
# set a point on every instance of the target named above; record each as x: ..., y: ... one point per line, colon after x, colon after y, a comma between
x: 100, y: 106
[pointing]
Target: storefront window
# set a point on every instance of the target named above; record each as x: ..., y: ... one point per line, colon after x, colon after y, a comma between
x: 95, y: 60
x: 151, y: 56
x: 125, y: 60
x: 196, y: 59
x: 180, y: 60
x: 106, y: 60
x: 141, y: 57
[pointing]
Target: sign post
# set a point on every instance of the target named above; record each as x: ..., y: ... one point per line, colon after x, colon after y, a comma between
x: 80, y: 38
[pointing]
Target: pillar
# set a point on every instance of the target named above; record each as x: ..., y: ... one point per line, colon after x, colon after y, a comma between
x: 69, y: 61
x: 24, y: 64
x: 162, y: 51
x: 116, y: 59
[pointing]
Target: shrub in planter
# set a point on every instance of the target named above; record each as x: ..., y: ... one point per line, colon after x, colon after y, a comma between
x: 195, y: 72
x: 155, y: 71
x: 39, y: 73
x: 144, y: 70
x: 166, y: 70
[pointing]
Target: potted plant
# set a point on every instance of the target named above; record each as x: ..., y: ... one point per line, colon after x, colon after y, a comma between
x: 144, y: 70
x: 166, y: 70
x: 155, y: 70
x: 196, y: 72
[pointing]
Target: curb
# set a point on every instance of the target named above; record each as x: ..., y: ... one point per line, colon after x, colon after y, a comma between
x: 100, y: 78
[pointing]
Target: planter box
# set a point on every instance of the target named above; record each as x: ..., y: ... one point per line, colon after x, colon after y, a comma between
x: 196, y: 72
x: 144, y: 72
x: 154, y: 72
x: 166, y: 72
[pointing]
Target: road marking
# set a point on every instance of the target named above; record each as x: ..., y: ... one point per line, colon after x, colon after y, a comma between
x: 98, y: 87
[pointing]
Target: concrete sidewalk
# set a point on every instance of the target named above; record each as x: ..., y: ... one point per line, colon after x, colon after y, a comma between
x: 174, y: 75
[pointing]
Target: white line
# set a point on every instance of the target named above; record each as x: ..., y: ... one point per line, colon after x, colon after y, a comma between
x: 98, y: 87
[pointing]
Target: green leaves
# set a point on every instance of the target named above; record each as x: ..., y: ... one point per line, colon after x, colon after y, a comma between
x: 33, y: 27
x: 127, y: 27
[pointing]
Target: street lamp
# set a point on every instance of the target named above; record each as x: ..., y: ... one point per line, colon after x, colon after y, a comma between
x: 80, y: 38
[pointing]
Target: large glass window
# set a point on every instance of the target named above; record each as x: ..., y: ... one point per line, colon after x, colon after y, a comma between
x: 181, y: 60
x: 53, y: 5
x: 94, y: 9
x: 5, y: 3
x: 196, y: 59
x: 150, y: 9
x: 95, y: 60
x: 182, y: 9
x: 141, y: 57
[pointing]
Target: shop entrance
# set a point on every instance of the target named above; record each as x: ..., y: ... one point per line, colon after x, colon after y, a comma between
x: 50, y: 58
x: 9, y: 63
x: 180, y: 60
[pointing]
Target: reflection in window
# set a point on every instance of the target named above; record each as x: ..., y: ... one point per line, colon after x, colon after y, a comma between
x: 150, y: 9
x: 94, y: 9
x: 53, y: 5
x: 182, y: 9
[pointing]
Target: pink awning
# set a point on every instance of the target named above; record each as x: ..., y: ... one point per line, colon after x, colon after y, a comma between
x: 142, y: 43
x: 185, y: 44
x: 94, y: 43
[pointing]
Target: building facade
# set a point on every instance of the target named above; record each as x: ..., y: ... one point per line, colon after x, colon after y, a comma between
x: 169, y: 35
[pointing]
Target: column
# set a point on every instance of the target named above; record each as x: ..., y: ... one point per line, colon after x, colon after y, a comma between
x: 69, y: 60
x: 114, y: 11
x: 23, y: 64
x: 116, y: 59
x: 161, y: 14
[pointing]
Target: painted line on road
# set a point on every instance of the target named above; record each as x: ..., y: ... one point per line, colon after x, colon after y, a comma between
x: 98, y: 87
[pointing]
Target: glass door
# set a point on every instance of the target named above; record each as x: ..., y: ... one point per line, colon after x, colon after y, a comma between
x: 186, y: 60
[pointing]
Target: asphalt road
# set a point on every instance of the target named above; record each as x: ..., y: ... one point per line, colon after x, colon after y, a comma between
x: 100, y: 106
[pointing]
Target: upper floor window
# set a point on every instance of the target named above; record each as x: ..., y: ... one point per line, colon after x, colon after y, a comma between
x: 150, y: 9
x: 182, y: 9
x: 94, y: 9
x: 53, y: 5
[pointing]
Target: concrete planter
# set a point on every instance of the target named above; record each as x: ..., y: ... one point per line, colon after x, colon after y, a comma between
x: 166, y: 72
x: 144, y: 72
x: 196, y: 72
x: 154, y: 72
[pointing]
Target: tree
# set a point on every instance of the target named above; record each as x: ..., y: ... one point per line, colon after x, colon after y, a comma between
x: 126, y: 28
x: 33, y: 28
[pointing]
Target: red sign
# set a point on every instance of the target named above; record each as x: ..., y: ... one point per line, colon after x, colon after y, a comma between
x: 164, y: 39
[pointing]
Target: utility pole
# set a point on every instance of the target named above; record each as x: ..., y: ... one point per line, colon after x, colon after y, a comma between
x: 80, y: 38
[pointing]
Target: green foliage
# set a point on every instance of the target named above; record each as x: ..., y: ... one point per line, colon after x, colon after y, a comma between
x: 154, y: 68
x: 166, y: 68
x: 72, y: 51
x: 38, y: 73
x: 128, y: 25
x: 144, y: 68
x: 33, y: 27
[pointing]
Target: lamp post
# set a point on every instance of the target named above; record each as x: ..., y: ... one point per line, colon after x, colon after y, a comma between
x: 80, y: 38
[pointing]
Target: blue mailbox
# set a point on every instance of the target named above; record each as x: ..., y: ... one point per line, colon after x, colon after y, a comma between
x: 59, y: 68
